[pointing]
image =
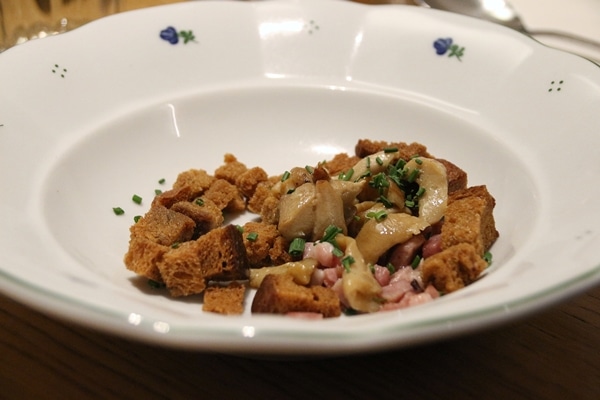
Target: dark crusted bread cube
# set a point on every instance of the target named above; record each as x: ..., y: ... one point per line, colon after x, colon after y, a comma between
x: 453, y: 268
x: 469, y: 219
x: 152, y: 236
x: 279, y: 294
x: 218, y: 255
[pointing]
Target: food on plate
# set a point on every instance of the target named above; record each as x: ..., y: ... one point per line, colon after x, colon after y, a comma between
x: 389, y: 227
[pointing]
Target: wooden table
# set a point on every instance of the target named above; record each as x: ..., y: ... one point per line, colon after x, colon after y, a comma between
x: 550, y: 355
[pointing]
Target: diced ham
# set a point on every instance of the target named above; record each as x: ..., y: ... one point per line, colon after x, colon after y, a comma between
x: 322, y: 252
x: 395, y: 291
x: 432, y: 246
x: 404, y: 253
x: 382, y: 275
x: 331, y: 276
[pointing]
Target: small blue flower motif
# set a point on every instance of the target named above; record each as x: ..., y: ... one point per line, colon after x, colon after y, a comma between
x: 170, y: 35
x: 442, y: 45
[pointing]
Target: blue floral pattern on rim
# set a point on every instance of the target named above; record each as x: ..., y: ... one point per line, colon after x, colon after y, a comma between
x: 171, y: 35
x: 447, y: 46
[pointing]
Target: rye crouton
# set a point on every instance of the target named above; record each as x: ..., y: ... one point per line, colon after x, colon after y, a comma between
x: 279, y: 294
x: 267, y: 246
x: 453, y: 268
x: 457, y: 178
x: 406, y: 151
x: 205, y: 214
x: 196, y: 180
x: 228, y: 300
x: 152, y: 236
x: 469, y: 219
x: 226, y: 196
x: 341, y: 162
x: 218, y: 255
x: 248, y: 181
x: 231, y: 170
x: 143, y: 257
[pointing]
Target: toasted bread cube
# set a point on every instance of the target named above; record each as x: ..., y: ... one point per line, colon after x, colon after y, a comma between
x: 228, y: 300
x: 143, y: 256
x: 453, y: 268
x: 279, y: 294
x: 218, y: 255
x: 469, y: 219
x: 204, y: 213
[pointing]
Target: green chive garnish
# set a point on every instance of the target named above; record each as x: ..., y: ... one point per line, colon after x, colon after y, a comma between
x: 137, y: 218
x: 162, y: 181
x: 252, y: 236
x: 377, y: 215
x: 118, y: 211
x: 297, y: 247
x: 487, y: 257
x: 285, y: 176
x: 416, y: 261
x: 347, y: 262
x: 136, y: 199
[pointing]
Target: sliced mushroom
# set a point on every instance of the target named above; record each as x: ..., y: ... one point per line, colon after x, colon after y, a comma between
x: 377, y: 237
x: 329, y: 209
x: 375, y: 163
x: 359, y: 286
x: 301, y: 271
x: 297, y: 212
x: 432, y: 205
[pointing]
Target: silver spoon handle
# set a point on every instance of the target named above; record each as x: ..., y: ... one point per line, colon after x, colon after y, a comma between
x: 568, y: 36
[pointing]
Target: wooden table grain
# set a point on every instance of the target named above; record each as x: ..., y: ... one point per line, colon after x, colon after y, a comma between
x: 552, y: 354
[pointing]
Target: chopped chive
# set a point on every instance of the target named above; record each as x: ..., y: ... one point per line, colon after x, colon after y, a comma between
x: 175, y: 245
x: 239, y: 228
x: 416, y: 261
x: 252, y: 236
x: 345, y: 176
x: 409, y: 203
x: 286, y: 175
x: 418, y: 161
x: 385, y: 201
x: 136, y: 199
x: 118, y: 211
x: 162, y: 181
x: 487, y: 257
x: 390, y: 150
x: 390, y: 267
x: 347, y: 262
x: 199, y: 201
x: 137, y: 218
x: 297, y: 247
x: 413, y: 175
x: 157, y: 192
x: 309, y: 169
x: 330, y: 233
x: 377, y: 215
x: 290, y: 191
x: 337, y: 252
x: 379, y: 161
x: 420, y: 192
